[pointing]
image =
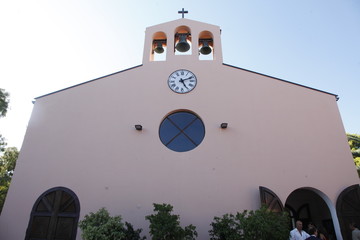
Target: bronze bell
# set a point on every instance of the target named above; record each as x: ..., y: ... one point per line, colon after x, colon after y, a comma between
x: 182, y: 45
x: 205, y: 49
x: 159, y: 47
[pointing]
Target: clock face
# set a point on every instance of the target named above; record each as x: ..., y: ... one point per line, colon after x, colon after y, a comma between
x: 182, y: 81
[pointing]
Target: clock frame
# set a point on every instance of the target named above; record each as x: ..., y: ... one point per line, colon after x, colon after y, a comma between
x: 182, y: 81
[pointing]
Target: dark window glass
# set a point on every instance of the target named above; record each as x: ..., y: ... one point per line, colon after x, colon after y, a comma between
x: 182, y: 131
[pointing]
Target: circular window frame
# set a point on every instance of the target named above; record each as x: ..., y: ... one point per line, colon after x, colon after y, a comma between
x: 182, y: 130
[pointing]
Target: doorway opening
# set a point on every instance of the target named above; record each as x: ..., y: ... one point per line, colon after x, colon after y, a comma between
x: 308, y: 206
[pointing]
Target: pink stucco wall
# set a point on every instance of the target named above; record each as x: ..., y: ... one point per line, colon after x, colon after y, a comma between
x: 280, y: 135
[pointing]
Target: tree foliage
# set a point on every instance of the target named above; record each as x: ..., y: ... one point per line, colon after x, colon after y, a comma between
x: 166, y: 226
x: 7, y: 166
x: 354, y: 143
x: 101, y: 225
x: 261, y: 224
x: 4, y: 102
x: 10, y: 155
x: 2, y: 143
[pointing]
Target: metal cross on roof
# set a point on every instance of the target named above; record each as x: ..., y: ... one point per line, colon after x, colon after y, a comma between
x: 183, y: 12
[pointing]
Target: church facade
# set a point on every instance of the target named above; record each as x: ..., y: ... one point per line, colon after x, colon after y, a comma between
x: 185, y: 129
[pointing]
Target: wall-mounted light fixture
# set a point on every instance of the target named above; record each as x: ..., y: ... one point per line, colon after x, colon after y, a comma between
x: 138, y: 127
x: 223, y: 125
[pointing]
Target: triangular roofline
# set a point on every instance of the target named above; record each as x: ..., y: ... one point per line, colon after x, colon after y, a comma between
x: 227, y: 65
x: 76, y: 85
x: 282, y: 80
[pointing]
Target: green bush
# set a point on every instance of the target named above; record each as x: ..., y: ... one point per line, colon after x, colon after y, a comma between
x: 166, y: 226
x: 261, y: 224
x: 101, y: 226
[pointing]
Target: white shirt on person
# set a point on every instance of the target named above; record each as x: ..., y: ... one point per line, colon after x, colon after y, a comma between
x: 356, y: 234
x: 296, y: 235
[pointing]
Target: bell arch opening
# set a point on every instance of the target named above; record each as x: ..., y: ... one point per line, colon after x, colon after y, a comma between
x: 206, y: 46
x: 159, y: 47
x: 183, y: 41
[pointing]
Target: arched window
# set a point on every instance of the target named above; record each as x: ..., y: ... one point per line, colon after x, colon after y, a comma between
x: 55, y: 215
x: 270, y: 200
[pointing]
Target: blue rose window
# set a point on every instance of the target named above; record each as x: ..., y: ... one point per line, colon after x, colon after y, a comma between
x: 182, y: 131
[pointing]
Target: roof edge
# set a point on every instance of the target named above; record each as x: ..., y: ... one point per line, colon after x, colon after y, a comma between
x: 181, y: 21
x: 87, y: 82
x: 279, y: 79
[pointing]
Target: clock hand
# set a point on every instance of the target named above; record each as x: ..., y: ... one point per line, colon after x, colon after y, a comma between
x: 187, y: 78
x: 182, y: 81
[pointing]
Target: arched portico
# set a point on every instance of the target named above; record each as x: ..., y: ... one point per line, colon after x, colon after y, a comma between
x: 348, y: 209
x: 311, y: 205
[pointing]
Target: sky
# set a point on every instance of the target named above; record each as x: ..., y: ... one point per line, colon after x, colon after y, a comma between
x: 48, y: 45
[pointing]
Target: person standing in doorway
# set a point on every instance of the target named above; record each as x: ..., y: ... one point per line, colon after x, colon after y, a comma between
x: 297, y: 233
x: 321, y: 233
x: 355, y: 232
x: 313, y: 234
